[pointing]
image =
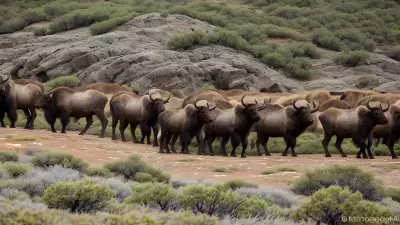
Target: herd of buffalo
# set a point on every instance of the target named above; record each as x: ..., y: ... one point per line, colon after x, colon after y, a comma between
x: 207, y: 115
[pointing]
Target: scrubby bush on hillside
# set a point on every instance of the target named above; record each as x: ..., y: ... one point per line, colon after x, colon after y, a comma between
x: 107, y: 25
x: 330, y: 205
x: 235, y: 184
x: 80, y: 197
x: 279, y: 197
x: 6, y: 156
x: 128, y: 169
x: 98, y: 171
x: 13, y: 194
x: 31, y: 16
x: 66, y: 81
x: 326, y: 39
x: 12, y: 25
x: 40, y: 32
x: 353, y: 58
x: 120, y: 188
x: 16, y: 169
x: 47, y: 159
x: 394, y: 53
x: 281, y: 32
x: 342, y: 175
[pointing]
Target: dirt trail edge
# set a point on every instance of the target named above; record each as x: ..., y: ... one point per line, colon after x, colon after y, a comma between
x: 98, y: 151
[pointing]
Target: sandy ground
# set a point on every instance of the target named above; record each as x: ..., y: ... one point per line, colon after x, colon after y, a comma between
x: 98, y: 151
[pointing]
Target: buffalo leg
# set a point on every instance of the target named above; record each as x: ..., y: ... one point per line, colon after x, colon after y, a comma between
x: 185, y: 139
x: 114, y: 122
x: 64, y: 122
x: 104, y: 122
x: 338, y: 145
x: 377, y: 142
x: 12, y: 114
x: 148, y: 135
x: 390, y: 145
x: 162, y: 140
x: 132, y: 127
x: 155, y: 132
x: 260, y: 139
x: 166, y: 142
x: 210, y: 139
x: 369, y: 144
x: 235, y: 141
x: 244, y: 147
x: 33, y: 116
x: 144, y: 129
x: 28, y: 118
x: 122, y: 126
x: 2, y: 114
x: 286, y: 150
x: 200, y: 143
x: 362, y: 150
x: 224, y: 141
x: 325, y: 142
x: 264, y: 145
x: 291, y: 142
x: 89, y: 122
x: 172, y: 143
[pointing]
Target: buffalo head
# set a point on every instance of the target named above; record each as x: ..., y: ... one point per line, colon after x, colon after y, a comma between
x: 377, y: 113
x: 304, y: 113
x: 157, y: 104
x: 43, y: 101
x: 203, y: 112
x: 3, y: 85
x: 251, y: 110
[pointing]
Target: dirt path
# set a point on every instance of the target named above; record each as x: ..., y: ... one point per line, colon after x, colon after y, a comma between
x: 98, y: 151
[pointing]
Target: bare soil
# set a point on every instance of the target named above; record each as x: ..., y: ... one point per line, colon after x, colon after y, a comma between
x: 97, y: 151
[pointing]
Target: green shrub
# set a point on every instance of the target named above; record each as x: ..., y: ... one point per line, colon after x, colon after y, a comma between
x: 330, y: 205
x: 268, y: 172
x: 394, y: 193
x: 130, y: 167
x: 325, y: 39
x: 394, y: 53
x: 31, y: 16
x: 14, y: 194
x: 80, y: 197
x: 16, y: 169
x: 157, y: 193
x: 12, y: 25
x: 107, y: 25
x: 220, y: 170
x: 98, y: 171
x: 282, y: 32
x: 47, y: 159
x: 8, y: 156
x: 62, y: 81
x: 351, y: 176
x: 143, y: 177
x: 299, y: 69
x: 40, y: 32
x: 353, y: 58
x: 56, y: 9
x: 236, y: 184
x: 207, y: 87
x: 274, y: 60
x: 185, y: 41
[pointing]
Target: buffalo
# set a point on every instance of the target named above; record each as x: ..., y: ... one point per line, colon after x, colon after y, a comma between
x: 390, y: 132
x: 233, y: 123
x: 334, y: 103
x: 28, y: 81
x: 135, y: 110
x: 8, y: 100
x: 320, y: 96
x: 211, y: 96
x: 65, y: 102
x: 382, y: 98
x: 186, y: 123
x: 352, y: 123
x: 354, y: 96
x: 107, y: 88
x: 280, y: 121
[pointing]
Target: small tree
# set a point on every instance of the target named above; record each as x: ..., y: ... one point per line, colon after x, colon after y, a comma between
x: 78, y: 197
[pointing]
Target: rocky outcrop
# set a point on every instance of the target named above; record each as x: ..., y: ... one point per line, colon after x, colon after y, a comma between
x: 136, y: 53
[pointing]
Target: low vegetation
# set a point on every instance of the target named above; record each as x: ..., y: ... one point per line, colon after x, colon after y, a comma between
x: 352, y: 59
x: 6, y: 156
x: 66, y: 81
x: 48, y: 159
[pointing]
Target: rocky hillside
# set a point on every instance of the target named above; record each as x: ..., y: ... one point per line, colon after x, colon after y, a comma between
x: 137, y: 53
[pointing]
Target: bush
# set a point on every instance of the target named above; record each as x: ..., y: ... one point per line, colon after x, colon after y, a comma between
x: 330, y: 205
x: 120, y: 188
x: 207, y: 87
x: 236, y: 184
x: 47, y: 159
x: 40, y: 32
x: 12, y: 25
x: 129, y: 168
x: 274, y: 60
x: 394, y: 193
x: 98, y: 171
x: 185, y: 41
x: 394, y: 53
x: 31, y: 16
x: 279, y: 197
x: 143, y: 177
x: 66, y: 81
x: 80, y: 197
x: 31, y: 151
x: 350, y: 176
x: 281, y: 32
x: 325, y: 39
x: 353, y: 58
x: 16, y: 169
x: 107, y: 25
x: 6, y: 156
x: 157, y: 193
x: 14, y: 194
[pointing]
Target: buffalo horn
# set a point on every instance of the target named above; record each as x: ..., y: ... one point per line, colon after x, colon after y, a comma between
x: 315, y: 108
x: 151, y: 98
x: 265, y: 104
x: 388, y: 105
x: 243, y: 101
x: 166, y: 101
x: 368, y: 106
x: 212, y: 108
x: 195, y: 105
x: 294, y: 104
x: 6, y: 80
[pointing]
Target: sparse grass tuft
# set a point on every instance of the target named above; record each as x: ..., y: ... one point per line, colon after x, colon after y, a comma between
x: 352, y: 59
x: 286, y: 169
x: 23, y: 138
x: 66, y: 81
x: 220, y: 170
x: 236, y: 184
x: 186, y: 160
x: 268, y: 172
x: 6, y: 156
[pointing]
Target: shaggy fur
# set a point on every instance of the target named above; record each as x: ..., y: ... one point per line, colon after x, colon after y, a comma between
x: 8, y: 103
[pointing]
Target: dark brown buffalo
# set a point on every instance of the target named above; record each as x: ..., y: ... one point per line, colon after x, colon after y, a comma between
x: 174, y: 103
x: 65, y: 102
x: 354, y: 96
x: 280, y: 121
x: 352, y: 123
x: 390, y: 132
x: 8, y: 100
x: 107, y: 88
x: 382, y: 98
x: 232, y: 123
x: 135, y: 110
x: 334, y: 103
x: 28, y: 81
x: 185, y: 123
x: 210, y: 96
